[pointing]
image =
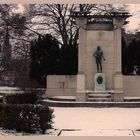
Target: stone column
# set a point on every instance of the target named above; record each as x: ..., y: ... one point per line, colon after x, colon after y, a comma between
x: 81, y: 77
x: 118, y: 77
x: 81, y: 88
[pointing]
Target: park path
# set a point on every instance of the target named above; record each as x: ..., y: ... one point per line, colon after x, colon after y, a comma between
x: 97, y: 121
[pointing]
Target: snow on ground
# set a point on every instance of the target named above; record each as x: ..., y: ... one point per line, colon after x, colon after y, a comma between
x: 103, y: 121
x: 50, y: 132
x: 10, y: 90
x: 97, y: 118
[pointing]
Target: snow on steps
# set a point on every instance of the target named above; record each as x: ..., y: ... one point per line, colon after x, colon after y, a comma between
x: 63, y: 98
x: 94, y: 98
x: 99, y: 97
x: 53, y: 103
x: 91, y: 97
x: 132, y: 99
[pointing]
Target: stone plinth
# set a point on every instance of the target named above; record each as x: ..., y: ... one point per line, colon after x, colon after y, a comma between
x: 118, y: 88
x: 118, y: 96
x: 81, y: 88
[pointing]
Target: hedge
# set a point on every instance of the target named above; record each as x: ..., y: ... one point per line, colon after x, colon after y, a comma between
x: 24, y: 98
x: 26, y: 117
x: 1, y: 99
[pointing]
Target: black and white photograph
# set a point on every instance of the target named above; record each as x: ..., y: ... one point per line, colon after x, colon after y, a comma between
x: 69, y: 69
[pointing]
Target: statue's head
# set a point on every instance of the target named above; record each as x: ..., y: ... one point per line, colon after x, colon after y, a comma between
x: 98, y: 48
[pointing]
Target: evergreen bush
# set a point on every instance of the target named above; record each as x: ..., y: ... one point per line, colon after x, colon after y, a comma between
x: 26, y: 117
x: 1, y: 99
x: 24, y: 98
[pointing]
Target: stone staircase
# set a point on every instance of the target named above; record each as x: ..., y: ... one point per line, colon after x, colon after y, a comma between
x: 94, y: 99
x: 131, y: 99
x: 63, y: 98
x: 99, y: 97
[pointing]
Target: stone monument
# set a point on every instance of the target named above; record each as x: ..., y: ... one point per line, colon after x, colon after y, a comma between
x: 100, y: 30
x: 96, y: 33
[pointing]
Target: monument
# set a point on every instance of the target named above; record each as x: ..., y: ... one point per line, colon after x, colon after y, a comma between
x: 104, y: 33
x: 94, y: 31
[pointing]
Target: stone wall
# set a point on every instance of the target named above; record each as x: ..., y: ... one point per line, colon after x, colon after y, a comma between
x: 105, y: 40
x: 131, y: 85
x: 61, y: 85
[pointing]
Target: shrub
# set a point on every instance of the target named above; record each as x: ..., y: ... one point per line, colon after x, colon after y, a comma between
x: 24, y: 98
x: 26, y: 118
x: 1, y: 99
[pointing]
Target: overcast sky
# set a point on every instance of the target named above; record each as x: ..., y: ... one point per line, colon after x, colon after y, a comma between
x: 134, y: 9
x: 134, y: 24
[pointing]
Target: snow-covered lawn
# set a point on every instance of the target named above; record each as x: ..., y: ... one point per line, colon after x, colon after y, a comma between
x: 97, y: 121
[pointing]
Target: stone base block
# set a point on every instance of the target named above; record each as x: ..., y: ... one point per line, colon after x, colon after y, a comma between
x: 118, y: 96
x: 81, y: 82
x: 81, y: 97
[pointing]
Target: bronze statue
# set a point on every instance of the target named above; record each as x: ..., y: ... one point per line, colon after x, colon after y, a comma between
x: 99, y: 56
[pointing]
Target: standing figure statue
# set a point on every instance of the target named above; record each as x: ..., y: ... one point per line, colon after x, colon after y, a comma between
x: 99, y: 56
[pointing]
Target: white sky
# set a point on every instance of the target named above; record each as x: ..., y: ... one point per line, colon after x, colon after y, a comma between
x: 20, y: 9
x: 134, y: 9
x: 134, y: 24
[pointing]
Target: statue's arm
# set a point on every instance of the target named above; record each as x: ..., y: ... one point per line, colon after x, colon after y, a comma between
x: 94, y: 54
x: 103, y: 56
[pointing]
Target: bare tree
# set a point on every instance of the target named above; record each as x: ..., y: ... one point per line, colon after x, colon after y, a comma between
x: 56, y: 18
x: 18, y: 30
x: 15, y: 41
x: 58, y: 21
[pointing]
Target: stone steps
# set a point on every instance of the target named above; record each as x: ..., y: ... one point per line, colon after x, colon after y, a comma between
x: 99, y: 97
x: 93, y: 97
x: 131, y: 99
x: 103, y: 95
x: 63, y: 98
x: 51, y: 103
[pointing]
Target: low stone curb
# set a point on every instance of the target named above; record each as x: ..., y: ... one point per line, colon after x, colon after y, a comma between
x: 113, y: 132
x: 90, y: 104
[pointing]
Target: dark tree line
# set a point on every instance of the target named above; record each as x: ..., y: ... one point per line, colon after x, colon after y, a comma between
x: 47, y: 58
x: 131, y: 57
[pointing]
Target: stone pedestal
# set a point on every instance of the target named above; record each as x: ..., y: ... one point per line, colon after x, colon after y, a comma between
x: 118, y: 96
x: 108, y: 36
x: 118, y: 88
x: 81, y: 88
x: 118, y: 78
x: 81, y: 78
x: 99, y: 80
